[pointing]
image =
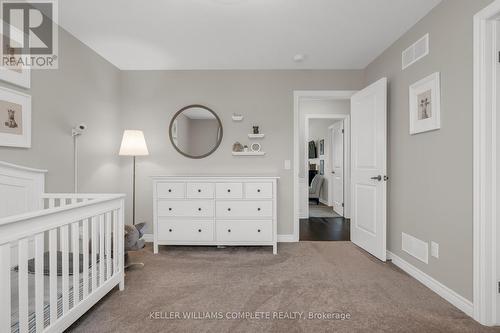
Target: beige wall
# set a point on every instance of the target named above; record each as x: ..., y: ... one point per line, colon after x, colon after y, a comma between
x: 85, y: 89
x: 265, y: 98
x: 430, y: 187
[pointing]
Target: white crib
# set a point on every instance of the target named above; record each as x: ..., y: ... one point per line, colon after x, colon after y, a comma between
x: 43, y: 286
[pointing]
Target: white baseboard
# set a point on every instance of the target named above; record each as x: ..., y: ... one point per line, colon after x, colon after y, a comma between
x: 148, y: 238
x: 451, y: 296
x: 324, y: 202
x: 287, y: 238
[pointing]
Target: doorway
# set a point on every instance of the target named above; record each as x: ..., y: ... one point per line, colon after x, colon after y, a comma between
x: 368, y: 164
x: 486, y: 233
x: 323, y: 198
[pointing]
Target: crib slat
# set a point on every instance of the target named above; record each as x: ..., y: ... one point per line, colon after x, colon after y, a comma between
x: 23, y: 284
x: 75, y: 242
x: 65, y: 267
x: 101, y: 250
x: 5, y: 310
x: 115, y: 242
x: 94, y: 253
x: 39, y: 287
x: 53, y: 274
x: 52, y: 203
x: 85, y: 246
x: 108, y: 247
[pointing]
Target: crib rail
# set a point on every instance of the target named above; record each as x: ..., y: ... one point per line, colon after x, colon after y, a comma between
x: 87, y: 228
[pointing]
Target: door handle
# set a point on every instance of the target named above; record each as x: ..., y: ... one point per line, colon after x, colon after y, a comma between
x: 379, y: 178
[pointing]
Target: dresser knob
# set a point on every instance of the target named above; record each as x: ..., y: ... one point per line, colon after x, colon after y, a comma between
x: 258, y: 230
x: 258, y: 190
x: 258, y: 209
x: 229, y: 209
x: 169, y: 230
x: 170, y: 209
x: 199, y: 230
x: 199, y: 209
x: 199, y: 191
x: 228, y: 230
x: 228, y: 190
x: 169, y: 190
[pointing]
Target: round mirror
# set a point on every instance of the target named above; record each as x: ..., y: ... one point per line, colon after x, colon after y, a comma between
x: 195, y: 131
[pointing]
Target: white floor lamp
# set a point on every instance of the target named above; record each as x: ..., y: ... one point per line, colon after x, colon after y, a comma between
x: 133, y: 144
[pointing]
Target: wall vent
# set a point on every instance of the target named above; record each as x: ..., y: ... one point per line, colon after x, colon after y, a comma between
x: 415, y: 247
x: 416, y: 52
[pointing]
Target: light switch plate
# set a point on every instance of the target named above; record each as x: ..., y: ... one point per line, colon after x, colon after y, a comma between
x: 435, y: 249
x: 288, y: 165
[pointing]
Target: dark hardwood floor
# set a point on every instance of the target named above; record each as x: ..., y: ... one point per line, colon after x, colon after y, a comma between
x: 325, y: 229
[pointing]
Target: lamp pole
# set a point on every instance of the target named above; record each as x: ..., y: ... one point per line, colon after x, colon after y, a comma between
x: 133, y: 197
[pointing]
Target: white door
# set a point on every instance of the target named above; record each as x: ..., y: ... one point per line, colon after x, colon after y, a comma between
x: 369, y: 168
x: 337, y: 163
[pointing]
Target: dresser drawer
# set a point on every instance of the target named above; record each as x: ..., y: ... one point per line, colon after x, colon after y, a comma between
x: 259, y: 190
x: 244, y: 231
x: 229, y: 190
x: 171, y: 190
x: 187, y: 208
x: 244, y: 209
x: 192, y: 231
x: 200, y: 190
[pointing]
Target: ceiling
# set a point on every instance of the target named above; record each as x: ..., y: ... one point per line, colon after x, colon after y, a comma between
x: 240, y: 34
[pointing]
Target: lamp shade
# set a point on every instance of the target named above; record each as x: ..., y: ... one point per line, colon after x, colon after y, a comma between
x: 133, y: 144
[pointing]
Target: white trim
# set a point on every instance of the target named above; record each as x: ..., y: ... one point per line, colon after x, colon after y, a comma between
x: 148, y: 238
x: 451, y: 296
x: 297, y: 97
x: 286, y: 238
x: 484, y: 174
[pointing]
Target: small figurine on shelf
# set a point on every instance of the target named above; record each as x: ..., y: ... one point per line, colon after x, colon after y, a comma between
x: 245, y: 149
x: 237, y: 147
x: 255, y: 129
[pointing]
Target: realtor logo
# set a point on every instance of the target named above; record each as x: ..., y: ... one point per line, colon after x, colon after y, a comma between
x: 29, y: 34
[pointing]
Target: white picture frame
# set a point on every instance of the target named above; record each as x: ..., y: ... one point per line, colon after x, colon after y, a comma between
x: 15, y: 118
x: 425, y: 104
x: 21, y: 78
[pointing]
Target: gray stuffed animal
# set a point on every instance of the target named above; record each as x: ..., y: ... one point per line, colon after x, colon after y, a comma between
x: 133, y: 241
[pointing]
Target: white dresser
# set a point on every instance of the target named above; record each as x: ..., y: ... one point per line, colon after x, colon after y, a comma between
x: 215, y: 211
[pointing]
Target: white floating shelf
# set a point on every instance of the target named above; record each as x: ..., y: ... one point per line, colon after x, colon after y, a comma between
x: 248, y: 153
x: 256, y: 136
x: 237, y: 117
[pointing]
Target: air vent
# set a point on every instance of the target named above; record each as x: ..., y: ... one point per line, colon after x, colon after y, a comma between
x: 415, y: 247
x: 416, y: 52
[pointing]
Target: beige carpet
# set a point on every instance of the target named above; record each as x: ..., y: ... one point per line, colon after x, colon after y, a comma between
x: 318, y: 277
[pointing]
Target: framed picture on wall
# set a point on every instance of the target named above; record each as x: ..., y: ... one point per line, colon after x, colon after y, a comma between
x: 18, y: 76
x: 321, y: 147
x: 15, y: 119
x: 322, y: 167
x: 425, y: 105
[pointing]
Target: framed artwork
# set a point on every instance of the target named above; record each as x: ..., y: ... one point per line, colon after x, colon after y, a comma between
x: 321, y: 147
x: 18, y: 76
x: 15, y: 119
x: 425, y: 105
x: 322, y: 167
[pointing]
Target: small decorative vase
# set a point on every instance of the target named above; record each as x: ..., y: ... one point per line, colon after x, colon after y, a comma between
x: 255, y: 129
x: 245, y: 148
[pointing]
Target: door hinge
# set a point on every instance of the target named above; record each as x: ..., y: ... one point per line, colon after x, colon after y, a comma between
x: 342, y: 131
x: 499, y: 287
x: 343, y: 206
